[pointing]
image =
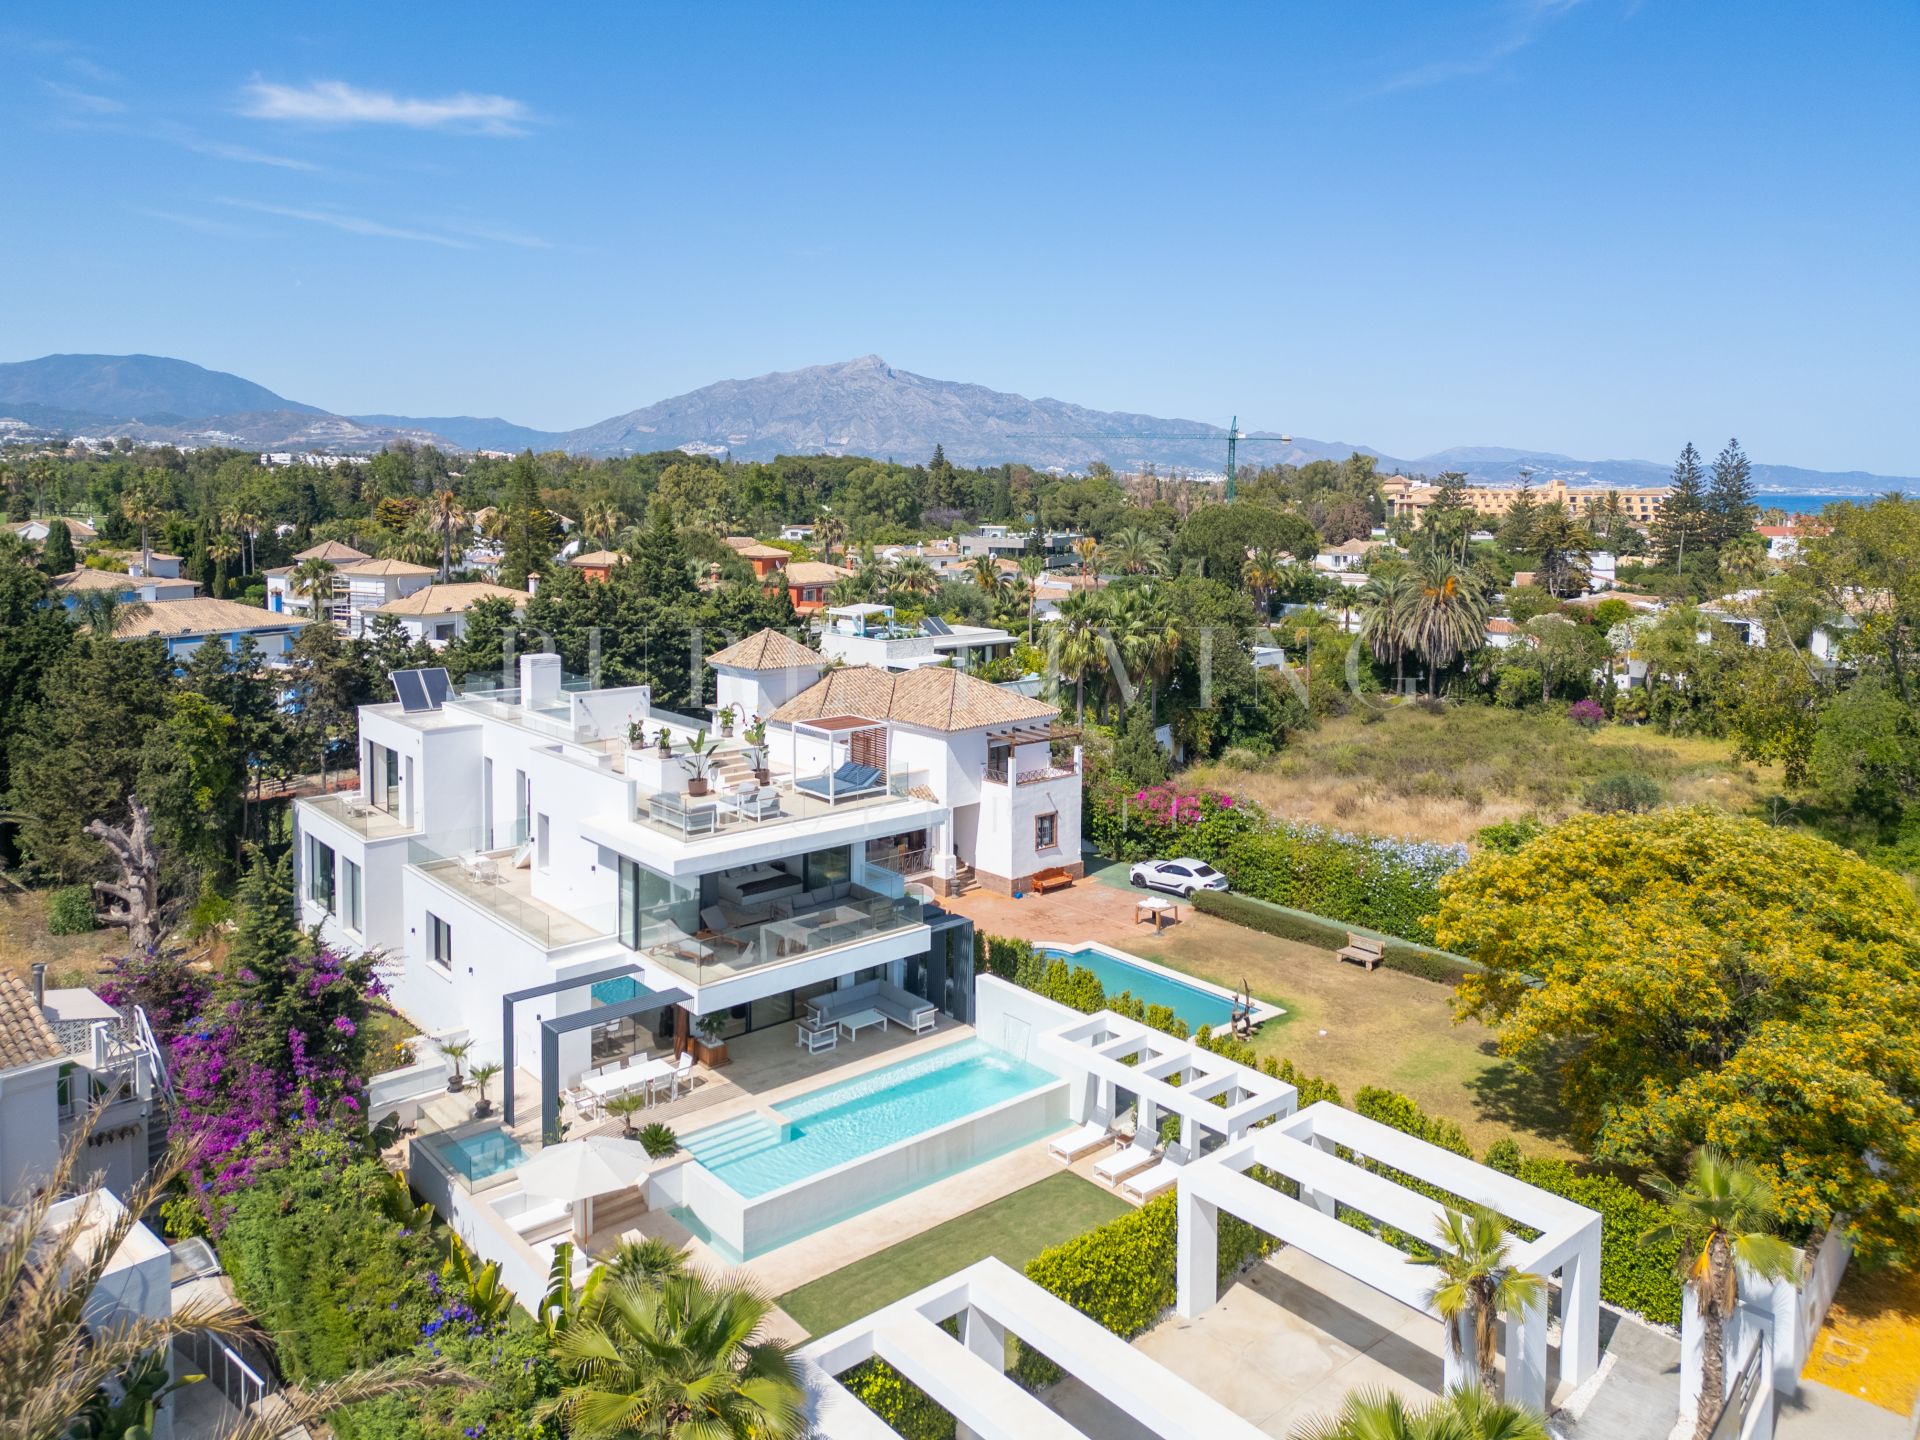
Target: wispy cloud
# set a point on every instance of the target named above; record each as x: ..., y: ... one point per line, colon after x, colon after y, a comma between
x: 87, y: 100
x: 351, y: 223
x: 188, y: 139
x: 334, y: 102
x: 1514, y: 26
x: 501, y: 237
x: 205, y: 224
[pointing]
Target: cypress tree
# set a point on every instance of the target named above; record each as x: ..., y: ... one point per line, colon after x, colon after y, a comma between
x: 1682, y: 518
x: 265, y: 932
x: 57, y: 555
x: 1729, y: 503
x: 527, y: 529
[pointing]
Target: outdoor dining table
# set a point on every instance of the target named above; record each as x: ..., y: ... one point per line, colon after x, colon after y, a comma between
x: 609, y: 1083
x: 1154, y: 908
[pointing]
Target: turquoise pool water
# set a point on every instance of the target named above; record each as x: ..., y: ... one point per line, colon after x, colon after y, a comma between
x: 837, y: 1123
x: 1192, y: 1004
x: 481, y: 1155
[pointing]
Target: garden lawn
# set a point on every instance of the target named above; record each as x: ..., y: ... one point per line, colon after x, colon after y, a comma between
x: 1357, y: 1028
x: 1014, y: 1228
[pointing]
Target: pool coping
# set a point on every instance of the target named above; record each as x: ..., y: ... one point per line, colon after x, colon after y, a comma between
x: 1262, y: 1010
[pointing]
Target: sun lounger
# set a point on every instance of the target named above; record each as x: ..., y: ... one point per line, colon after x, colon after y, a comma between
x: 843, y: 784
x: 1083, y: 1140
x: 1149, y: 1183
x: 1136, y: 1154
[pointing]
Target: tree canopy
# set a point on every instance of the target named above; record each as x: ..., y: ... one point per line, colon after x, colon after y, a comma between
x: 1692, y: 977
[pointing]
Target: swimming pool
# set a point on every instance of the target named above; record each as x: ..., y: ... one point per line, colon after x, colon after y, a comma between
x: 478, y: 1156
x: 824, y: 1128
x: 1194, y: 1003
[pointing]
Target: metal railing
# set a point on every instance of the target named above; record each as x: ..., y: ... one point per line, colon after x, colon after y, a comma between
x: 226, y: 1370
x: 716, y: 956
x: 900, y: 862
x: 1746, y: 1389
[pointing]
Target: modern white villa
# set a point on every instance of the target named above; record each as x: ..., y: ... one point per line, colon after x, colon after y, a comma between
x: 867, y: 634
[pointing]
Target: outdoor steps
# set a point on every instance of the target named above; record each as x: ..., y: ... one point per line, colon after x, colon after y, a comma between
x: 735, y: 1139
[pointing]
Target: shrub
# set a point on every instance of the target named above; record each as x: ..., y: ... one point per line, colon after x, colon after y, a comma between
x: 1390, y: 1107
x: 658, y: 1140
x: 1518, y: 687
x: 1634, y: 1275
x: 1507, y: 836
x: 904, y: 1406
x: 1625, y: 792
x: 70, y: 910
x: 1587, y: 714
x: 1435, y: 965
x: 1503, y: 1155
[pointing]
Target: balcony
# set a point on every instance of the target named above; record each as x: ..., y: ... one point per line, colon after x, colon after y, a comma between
x: 744, y: 806
x: 490, y: 882
x: 352, y: 813
x: 1033, y: 775
x: 715, y: 955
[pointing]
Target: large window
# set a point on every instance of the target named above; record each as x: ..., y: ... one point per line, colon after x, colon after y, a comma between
x: 829, y: 867
x: 439, y: 942
x: 654, y: 909
x: 351, y: 905
x: 320, y: 874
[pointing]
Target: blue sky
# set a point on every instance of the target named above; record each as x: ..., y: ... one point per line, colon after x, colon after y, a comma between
x: 1594, y: 226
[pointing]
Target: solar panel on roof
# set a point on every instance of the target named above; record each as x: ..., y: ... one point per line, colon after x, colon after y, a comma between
x: 934, y: 625
x: 411, y: 690
x: 435, y: 679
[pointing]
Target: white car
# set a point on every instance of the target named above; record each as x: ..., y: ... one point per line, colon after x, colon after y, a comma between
x: 1179, y: 877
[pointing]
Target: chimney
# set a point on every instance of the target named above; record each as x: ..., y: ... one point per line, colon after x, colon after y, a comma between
x: 40, y: 984
x: 533, y: 584
x: 539, y: 679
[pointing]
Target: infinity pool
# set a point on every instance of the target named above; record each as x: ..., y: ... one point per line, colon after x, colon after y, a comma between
x: 1192, y: 1003
x: 837, y: 1123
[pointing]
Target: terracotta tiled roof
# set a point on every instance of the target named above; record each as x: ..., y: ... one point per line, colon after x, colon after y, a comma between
x: 198, y: 616
x: 1500, y: 625
x: 813, y: 572
x: 115, y: 580
x: 334, y: 550
x: 598, y: 559
x: 933, y: 697
x: 450, y: 599
x: 387, y: 567
x: 25, y: 1036
x: 768, y: 650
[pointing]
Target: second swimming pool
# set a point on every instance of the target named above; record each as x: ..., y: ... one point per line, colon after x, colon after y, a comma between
x: 1193, y: 1003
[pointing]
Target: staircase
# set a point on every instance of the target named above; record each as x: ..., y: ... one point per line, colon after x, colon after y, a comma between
x: 734, y: 1140
x: 963, y: 878
x: 729, y: 770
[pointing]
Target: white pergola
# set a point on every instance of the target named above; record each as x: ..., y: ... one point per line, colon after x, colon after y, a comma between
x: 1302, y: 1148
x: 966, y: 1375
x: 1212, y: 1094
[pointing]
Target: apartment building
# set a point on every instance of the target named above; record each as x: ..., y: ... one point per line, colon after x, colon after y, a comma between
x: 437, y: 614
x: 1409, y: 499
x: 359, y: 586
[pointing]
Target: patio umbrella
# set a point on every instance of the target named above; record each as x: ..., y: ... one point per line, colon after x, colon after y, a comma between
x: 581, y: 1169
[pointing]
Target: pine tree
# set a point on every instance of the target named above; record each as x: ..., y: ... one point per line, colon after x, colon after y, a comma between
x: 57, y: 557
x: 265, y: 931
x: 659, y: 565
x: 1729, y: 503
x: 527, y: 526
x: 1682, y: 519
x: 1517, y: 529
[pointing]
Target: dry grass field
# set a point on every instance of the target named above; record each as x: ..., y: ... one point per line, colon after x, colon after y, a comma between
x: 70, y: 959
x: 1442, y: 777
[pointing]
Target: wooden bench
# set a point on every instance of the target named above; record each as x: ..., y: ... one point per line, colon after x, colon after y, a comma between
x: 1045, y: 880
x: 1364, y: 949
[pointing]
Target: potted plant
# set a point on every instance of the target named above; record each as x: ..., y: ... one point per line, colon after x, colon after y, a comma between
x: 626, y: 1106
x: 482, y: 1074
x: 636, y: 734
x: 663, y: 741
x: 658, y: 1140
x: 756, y: 738
x: 698, y: 762
x: 709, y: 1049
x: 726, y: 715
x: 456, y: 1051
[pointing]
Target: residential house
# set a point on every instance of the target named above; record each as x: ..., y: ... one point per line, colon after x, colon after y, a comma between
x: 359, y: 585
x: 597, y: 564
x: 127, y: 589
x: 156, y: 565
x: 866, y: 634
x: 808, y: 582
x: 187, y: 624
x: 437, y: 614
x: 1784, y: 541
x: 1347, y: 556
x: 765, y: 559
x: 34, y: 532
x: 803, y: 534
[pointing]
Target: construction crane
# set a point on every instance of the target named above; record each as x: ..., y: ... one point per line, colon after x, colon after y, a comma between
x: 1234, y: 436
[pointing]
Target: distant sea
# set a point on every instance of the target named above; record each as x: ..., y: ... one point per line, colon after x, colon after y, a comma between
x: 1802, y: 504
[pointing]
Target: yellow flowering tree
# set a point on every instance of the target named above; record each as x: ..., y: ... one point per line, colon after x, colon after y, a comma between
x: 1693, y: 978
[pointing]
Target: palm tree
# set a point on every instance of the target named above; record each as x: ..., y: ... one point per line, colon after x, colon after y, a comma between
x: 445, y: 518
x: 419, y: 544
x: 1087, y: 550
x: 101, y: 611
x: 986, y: 574
x: 249, y: 530
x: 648, y: 1259
x: 1722, y: 1215
x: 1133, y: 551
x: 222, y: 549
x: 913, y: 578
x: 308, y: 578
x: 1449, y: 616
x: 831, y: 533
x: 1265, y: 572
x: 1386, y: 623
x: 1468, y: 1413
x: 54, y: 1365
x: 1478, y: 1282
x: 142, y: 507
x: 1032, y: 566
x: 1076, y: 645
x: 688, y: 1356
x: 600, y: 521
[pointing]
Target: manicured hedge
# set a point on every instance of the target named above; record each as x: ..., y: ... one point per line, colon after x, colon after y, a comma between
x: 1271, y: 919
x: 1634, y: 1275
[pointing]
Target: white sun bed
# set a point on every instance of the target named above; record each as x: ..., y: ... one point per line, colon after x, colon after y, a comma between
x: 1082, y: 1140
x: 1149, y: 1183
x: 1136, y: 1154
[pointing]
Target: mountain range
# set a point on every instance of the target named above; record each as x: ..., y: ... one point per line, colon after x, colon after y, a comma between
x: 856, y: 407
